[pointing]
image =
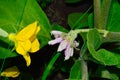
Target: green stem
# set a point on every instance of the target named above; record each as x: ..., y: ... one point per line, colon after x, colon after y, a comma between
x: 3, y: 63
x: 107, y: 36
x: 2, y: 66
x: 96, y: 13
x: 49, y: 67
x: 83, y: 50
x: 112, y: 37
x: 87, y: 30
x: 104, y: 13
x: 84, y: 70
x: 83, y: 62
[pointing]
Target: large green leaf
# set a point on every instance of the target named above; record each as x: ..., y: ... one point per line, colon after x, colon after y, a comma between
x: 76, y: 71
x: 114, y: 17
x: 103, y: 56
x: 16, y: 14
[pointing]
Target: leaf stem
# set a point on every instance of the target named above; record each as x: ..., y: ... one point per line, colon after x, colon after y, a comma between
x: 104, y: 13
x: 84, y: 70
x: 96, y: 13
x: 2, y: 66
x: 112, y: 37
x: 83, y: 62
x: 87, y: 30
x: 3, y: 63
x: 107, y: 35
x: 49, y: 67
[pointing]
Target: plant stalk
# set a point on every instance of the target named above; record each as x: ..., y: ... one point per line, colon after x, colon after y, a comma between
x: 96, y: 13
x: 107, y: 35
x: 84, y: 70
x: 104, y: 13
x: 112, y: 37
x: 83, y: 62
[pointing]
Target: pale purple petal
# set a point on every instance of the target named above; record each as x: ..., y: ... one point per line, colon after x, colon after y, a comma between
x: 55, y: 41
x: 72, y: 51
x: 76, y: 43
x: 62, y: 45
x: 68, y: 52
x: 67, y: 55
x: 3, y: 33
x: 56, y: 33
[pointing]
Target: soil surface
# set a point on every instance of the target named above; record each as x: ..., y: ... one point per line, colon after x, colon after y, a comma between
x: 58, y: 10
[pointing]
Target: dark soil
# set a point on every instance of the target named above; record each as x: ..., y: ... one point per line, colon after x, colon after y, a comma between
x: 58, y: 10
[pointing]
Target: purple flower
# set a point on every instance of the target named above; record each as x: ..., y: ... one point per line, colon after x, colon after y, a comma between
x: 67, y: 42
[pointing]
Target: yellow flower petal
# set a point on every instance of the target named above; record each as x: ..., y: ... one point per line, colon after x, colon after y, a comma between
x: 27, y: 32
x: 23, y: 47
x: 11, y: 72
x: 26, y: 41
x: 32, y: 38
x: 27, y: 59
x: 26, y: 45
x: 38, y: 29
x: 20, y: 49
x: 35, y: 46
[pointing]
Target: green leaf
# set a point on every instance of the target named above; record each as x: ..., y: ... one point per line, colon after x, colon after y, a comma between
x: 72, y: 1
x: 103, y: 56
x: 76, y: 71
x: 78, y: 20
x: 107, y: 57
x: 91, y: 20
x: 6, y: 48
x: 84, y: 36
x: 116, y: 52
x: 114, y: 17
x: 74, y: 17
x: 50, y: 65
x: 58, y: 27
x: 5, y: 53
x: 93, y: 42
x: 94, y: 38
x: 102, y: 72
x: 17, y: 14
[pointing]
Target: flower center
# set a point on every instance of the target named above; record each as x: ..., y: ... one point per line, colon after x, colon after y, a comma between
x: 11, y: 36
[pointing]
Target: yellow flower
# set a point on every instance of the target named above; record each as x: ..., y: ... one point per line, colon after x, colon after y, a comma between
x: 26, y: 41
x: 11, y: 72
